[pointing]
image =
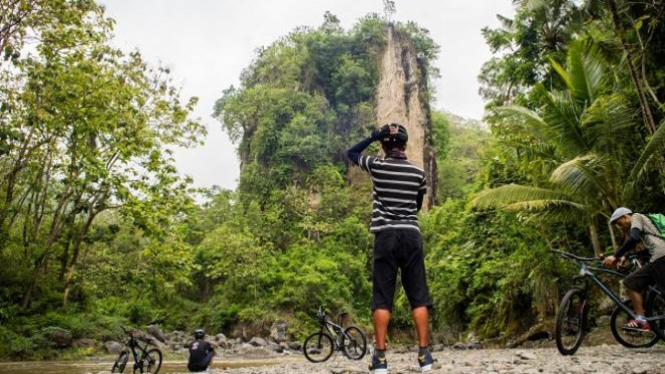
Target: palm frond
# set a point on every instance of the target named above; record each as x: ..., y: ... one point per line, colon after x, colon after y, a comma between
x: 537, y: 126
x: 563, y: 74
x: 584, y: 176
x: 563, y: 115
x: 553, y: 210
x: 654, y: 149
x: 607, y: 121
x: 543, y: 152
x: 513, y: 194
x: 542, y: 157
x: 586, y: 72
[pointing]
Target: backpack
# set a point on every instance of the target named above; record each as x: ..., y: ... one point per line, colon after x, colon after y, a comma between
x: 658, y: 221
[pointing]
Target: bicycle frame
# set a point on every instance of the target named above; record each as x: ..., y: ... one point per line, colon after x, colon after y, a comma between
x: 133, y: 344
x: 335, y: 330
x: 586, y: 272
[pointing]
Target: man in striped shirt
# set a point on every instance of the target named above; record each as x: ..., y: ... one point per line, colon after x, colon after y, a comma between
x: 398, y: 190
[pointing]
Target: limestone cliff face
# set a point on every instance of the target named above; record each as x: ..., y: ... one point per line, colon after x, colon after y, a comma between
x: 399, y: 98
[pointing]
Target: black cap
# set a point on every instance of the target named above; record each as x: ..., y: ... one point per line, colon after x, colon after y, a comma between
x: 400, y: 138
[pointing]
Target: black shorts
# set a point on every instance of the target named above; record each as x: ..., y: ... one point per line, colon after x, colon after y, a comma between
x: 399, y: 249
x: 647, y: 275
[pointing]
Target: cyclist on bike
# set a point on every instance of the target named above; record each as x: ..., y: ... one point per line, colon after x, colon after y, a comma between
x: 640, y: 229
x: 399, y: 187
x: 200, y: 353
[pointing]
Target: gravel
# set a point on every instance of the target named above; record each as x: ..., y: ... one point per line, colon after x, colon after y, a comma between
x: 601, y: 359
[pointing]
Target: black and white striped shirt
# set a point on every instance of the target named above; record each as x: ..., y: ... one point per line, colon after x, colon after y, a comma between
x: 396, y: 185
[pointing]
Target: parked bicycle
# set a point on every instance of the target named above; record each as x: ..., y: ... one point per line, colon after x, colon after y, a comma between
x: 572, y: 316
x: 145, y: 360
x: 320, y: 346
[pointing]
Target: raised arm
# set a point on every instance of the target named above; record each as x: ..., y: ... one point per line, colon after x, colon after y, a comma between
x: 633, y: 239
x: 354, y: 152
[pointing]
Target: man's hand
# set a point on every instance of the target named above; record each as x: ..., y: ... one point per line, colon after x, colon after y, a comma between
x: 381, y: 132
x: 609, y: 260
x: 622, y: 262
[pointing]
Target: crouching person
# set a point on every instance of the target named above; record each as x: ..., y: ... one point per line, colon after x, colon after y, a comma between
x: 200, y: 353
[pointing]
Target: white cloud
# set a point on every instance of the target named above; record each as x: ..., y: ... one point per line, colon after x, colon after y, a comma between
x: 207, y: 43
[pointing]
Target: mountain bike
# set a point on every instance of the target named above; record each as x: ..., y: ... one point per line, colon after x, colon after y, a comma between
x: 320, y: 346
x: 572, y: 316
x: 145, y: 360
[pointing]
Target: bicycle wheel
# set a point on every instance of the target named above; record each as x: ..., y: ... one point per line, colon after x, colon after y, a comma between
x: 354, y: 343
x: 120, y: 363
x: 151, y: 361
x: 655, y: 307
x: 318, y: 347
x: 629, y: 338
x: 571, y: 322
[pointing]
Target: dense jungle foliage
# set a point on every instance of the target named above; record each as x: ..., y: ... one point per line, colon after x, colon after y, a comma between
x: 98, y: 228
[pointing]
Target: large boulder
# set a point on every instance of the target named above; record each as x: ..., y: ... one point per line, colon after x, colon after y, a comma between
x: 157, y: 333
x: 213, y: 343
x: 60, y: 338
x: 275, y: 347
x: 114, y: 347
x: 221, y: 340
x: 85, y: 343
x: 258, y: 342
x: 250, y: 351
x: 177, y: 336
x: 474, y: 345
x: 296, y: 346
x: 278, y: 331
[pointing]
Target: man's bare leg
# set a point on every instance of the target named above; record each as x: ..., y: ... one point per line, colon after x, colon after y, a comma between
x: 421, y: 319
x: 637, y: 300
x: 381, y: 321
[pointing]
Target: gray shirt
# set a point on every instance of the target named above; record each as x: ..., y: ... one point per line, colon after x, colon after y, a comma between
x: 651, y: 237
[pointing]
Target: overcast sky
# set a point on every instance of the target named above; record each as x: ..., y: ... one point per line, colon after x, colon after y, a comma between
x: 207, y: 43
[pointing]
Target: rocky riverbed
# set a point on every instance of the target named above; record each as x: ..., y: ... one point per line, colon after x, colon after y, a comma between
x: 600, y: 359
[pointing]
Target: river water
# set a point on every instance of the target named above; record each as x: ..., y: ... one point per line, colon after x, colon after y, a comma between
x: 66, y: 367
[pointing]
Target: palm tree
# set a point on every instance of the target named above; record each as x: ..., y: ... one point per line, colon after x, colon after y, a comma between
x: 584, y: 127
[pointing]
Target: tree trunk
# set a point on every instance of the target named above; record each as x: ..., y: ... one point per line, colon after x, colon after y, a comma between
x: 54, y: 234
x: 634, y: 76
x: 77, y: 249
x: 64, y: 259
x: 595, y: 241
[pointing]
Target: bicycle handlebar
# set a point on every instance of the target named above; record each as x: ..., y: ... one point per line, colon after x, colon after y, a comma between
x: 570, y: 256
x: 128, y: 332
